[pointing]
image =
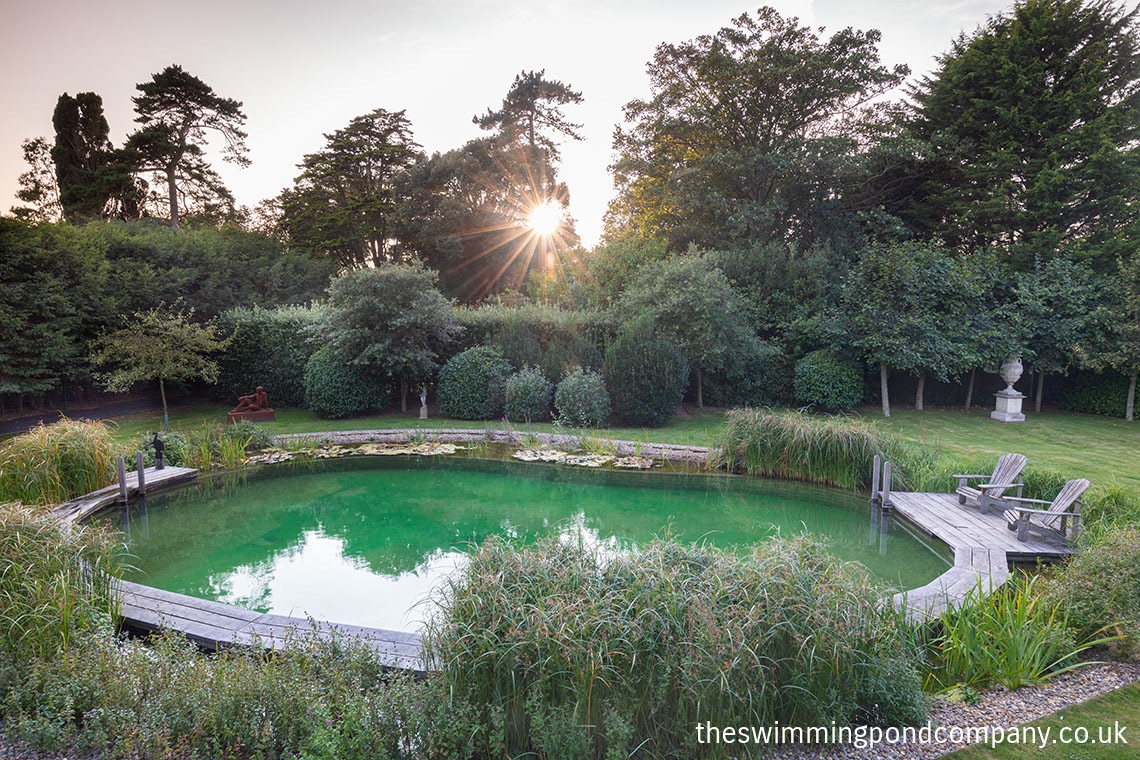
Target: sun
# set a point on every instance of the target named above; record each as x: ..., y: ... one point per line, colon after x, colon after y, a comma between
x: 545, y: 218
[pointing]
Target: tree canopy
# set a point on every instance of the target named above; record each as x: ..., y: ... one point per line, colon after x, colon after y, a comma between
x: 746, y: 130
x: 1034, y: 120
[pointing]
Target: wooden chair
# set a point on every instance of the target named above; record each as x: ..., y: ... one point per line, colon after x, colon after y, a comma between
x: 990, y: 495
x: 1061, y: 516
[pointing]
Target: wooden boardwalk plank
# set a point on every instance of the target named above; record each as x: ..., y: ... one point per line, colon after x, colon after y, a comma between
x: 983, y: 547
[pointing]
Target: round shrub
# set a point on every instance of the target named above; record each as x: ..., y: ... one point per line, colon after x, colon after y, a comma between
x: 334, y: 388
x: 529, y: 394
x: 755, y: 373
x: 473, y: 383
x: 822, y: 379
x: 646, y: 376
x: 581, y: 399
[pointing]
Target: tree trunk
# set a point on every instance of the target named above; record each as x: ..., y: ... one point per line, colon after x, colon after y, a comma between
x: 172, y: 190
x: 403, y: 395
x: 918, y: 393
x: 165, y: 415
x: 1131, y: 405
x: 1040, y: 388
x: 970, y: 389
x: 700, y: 390
x: 883, y: 372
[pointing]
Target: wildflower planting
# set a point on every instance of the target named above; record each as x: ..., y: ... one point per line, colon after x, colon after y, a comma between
x: 560, y: 645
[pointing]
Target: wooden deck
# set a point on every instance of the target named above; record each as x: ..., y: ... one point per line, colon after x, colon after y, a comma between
x: 982, y: 544
x: 213, y: 625
x: 78, y: 510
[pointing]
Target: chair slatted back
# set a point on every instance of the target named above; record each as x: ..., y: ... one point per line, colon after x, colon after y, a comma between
x: 1070, y: 493
x: 1006, y: 473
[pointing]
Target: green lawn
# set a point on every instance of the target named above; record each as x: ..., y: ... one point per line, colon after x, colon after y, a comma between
x: 1099, y: 717
x: 1102, y: 449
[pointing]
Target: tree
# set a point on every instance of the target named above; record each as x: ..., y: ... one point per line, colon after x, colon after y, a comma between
x: 465, y: 214
x: 1034, y: 121
x: 391, y: 319
x: 1123, y: 320
x: 82, y: 146
x: 747, y: 134
x: 158, y: 345
x: 901, y: 306
x: 1060, y: 302
x: 694, y: 305
x: 345, y: 199
x: 177, y: 112
x: 38, y: 186
x: 531, y: 109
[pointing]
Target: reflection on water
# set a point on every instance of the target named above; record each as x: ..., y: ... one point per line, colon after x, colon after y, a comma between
x: 364, y: 541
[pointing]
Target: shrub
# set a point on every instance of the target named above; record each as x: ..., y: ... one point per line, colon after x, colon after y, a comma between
x: 646, y: 375
x: 794, y: 445
x: 334, y: 388
x: 529, y: 394
x: 1100, y: 588
x: 565, y: 352
x: 50, y: 464
x: 562, y: 634
x: 822, y: 379
x: 472, y: 384
x: 1095, y: 393
x: 269, y: 347
x: 755, y: 373
x: 581, y: 399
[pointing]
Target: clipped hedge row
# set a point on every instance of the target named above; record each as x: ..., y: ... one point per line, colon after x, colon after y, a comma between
x: 270, y: 347
x: 1095, y: 393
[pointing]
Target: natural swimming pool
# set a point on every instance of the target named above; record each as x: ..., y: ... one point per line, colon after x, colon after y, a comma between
x: 364, y: 540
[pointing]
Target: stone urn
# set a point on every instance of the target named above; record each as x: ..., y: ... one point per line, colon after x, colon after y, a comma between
x: 1011, y: 372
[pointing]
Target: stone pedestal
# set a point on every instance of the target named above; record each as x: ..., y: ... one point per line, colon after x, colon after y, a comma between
x: 261, y: 415
x: 1008, y: 406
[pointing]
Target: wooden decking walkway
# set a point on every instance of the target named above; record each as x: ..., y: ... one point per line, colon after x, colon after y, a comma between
x: 78, y: 510
x: 983, y: 549
x: 213, y: 625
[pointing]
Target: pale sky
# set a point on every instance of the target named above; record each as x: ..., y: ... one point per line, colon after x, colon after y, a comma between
x: 303, y: 69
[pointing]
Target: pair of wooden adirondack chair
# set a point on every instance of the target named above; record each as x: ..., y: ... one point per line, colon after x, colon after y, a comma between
x: 1059, y: 519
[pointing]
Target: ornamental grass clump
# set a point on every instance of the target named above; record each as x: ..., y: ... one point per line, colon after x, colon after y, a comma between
x: 50, y: 464
x: 615, y: 652
x: 794, y: 445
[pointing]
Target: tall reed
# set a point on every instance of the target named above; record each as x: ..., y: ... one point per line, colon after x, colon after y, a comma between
x: 53, y: 463
x: 794, y: 445
x: 637, y: 649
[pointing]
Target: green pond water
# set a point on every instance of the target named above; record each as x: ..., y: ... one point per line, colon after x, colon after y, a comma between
x: 364, y: 540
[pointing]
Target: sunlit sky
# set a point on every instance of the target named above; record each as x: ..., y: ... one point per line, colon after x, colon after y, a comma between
x: 305, y: 68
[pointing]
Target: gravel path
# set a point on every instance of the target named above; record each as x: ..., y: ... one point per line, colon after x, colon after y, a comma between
x: 997, y: 707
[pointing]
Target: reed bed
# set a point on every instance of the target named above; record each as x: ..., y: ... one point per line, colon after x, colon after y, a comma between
x: 592, y: 654
x: 53, y: 463
x: 794, y: 445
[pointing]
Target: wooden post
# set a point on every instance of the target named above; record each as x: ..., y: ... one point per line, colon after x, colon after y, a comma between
x: 139, y: 471
x: 122, y: 480
x: 885, y: 523
x: 876, y: 500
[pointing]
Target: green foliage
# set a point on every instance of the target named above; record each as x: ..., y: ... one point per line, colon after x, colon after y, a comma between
x: 1057, y: 172
x: 614, y: 264
x: 50, y: 464
x: 343, y: 204
x: 821, y: 378
x: 1095, y: 393
x: 792, y: 445
x: 755, y: 373
x: 472, y: 384
x: 390, y: 318
x: 177, y: 112
x: 532, y: 107
x: 646, y: 376
x: 1099, y: 588
x: 1058, y: 300
x: 748, y: 136
x: 693, y: 304
x: 528, y: 395
x: 336, y: 388
x: 581, y: 399
x: 270, y: 348
x: 560, y: 634
x: 55, y: 586
x: 1015, y: 636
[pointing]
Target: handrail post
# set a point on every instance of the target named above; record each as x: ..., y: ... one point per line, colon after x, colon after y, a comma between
x: 139, y: 469
x: 122, y: 480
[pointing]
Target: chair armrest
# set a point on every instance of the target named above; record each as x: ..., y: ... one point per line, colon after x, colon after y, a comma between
x: 992, y: 486
x: 969, y: 476
x: 1027, y: 511
x: 1031, y: 501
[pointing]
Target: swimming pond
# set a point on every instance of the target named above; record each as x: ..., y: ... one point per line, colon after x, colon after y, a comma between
x: 364, y: 540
